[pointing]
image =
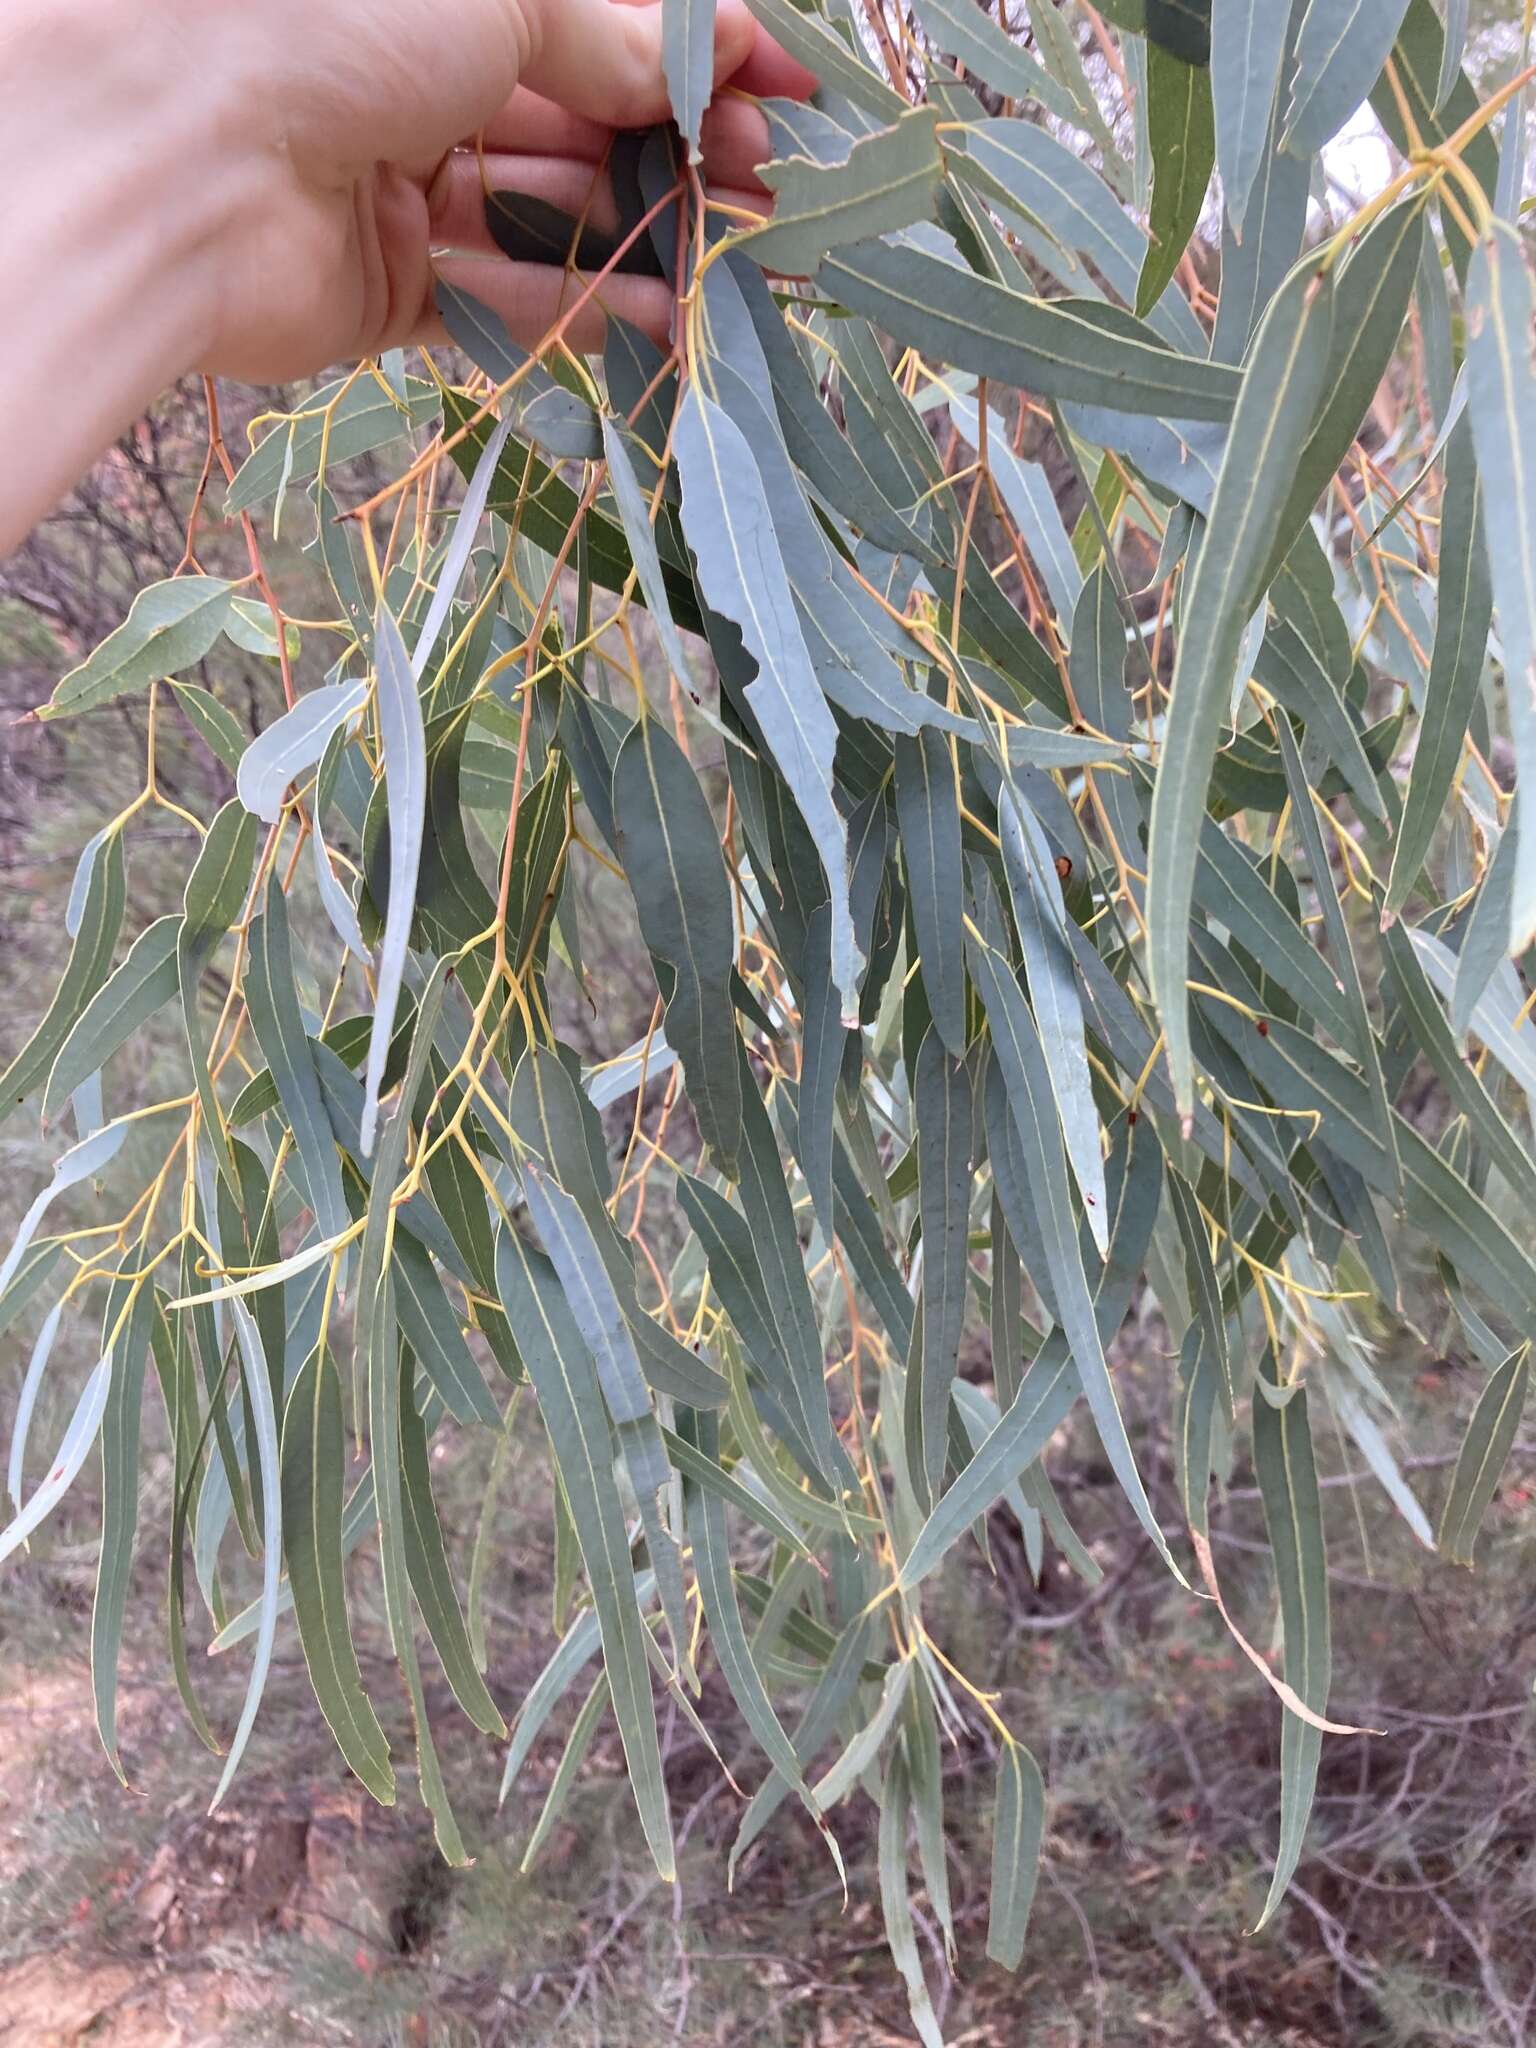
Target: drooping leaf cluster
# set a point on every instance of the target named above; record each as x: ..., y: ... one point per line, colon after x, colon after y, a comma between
x: 1045, y: 723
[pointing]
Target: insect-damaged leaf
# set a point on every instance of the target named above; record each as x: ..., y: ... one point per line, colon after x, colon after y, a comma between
x: 887, y: 181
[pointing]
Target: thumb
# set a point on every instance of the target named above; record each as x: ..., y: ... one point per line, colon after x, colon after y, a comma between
x: 604, y: 60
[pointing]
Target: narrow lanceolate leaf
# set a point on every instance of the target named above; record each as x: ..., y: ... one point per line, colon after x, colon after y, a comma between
x: 1287, y: 1474
x: 887, y: 181
x: 1484, y: 1450
x: 90, y: 959
x: 1183, y: 139
x: 575, y: 1650
x: 599, y: 1317
x: 1484, y: 935
x: 565, y: 1382
x: 313, y: 1470
x: 334, y: 900
x: 827, y: 57
x: 64, y: 1470
x: 833, y: 1693
x: 1018, y: 1827
x: 635, y: 516
x: 215, y: 895
x: 1363, y: 1039
x: 144, y: 981
x: 169, y: 628
x: 1026, y: 491
x: 273, y: 1002
x: 1050, y: 1388
x: 943, y: 1112
x: 986, y: 48
x: 1016, y: 1047
x: 1501, y: 401
x: 258, y: 1389
x: 730, y: 530
x: 705, y: 1513
x: 1041, y: 915
x: 130, y: 1315
x: 377, y: 1347
x: 688, y: 59
x: 1247, y: 46
x: 1069, y: 349
x: 1462, y: 616
x: 26, y: 1400
x: 341, y: 421
x: 292, y: 744
x: 426, y: 1558
x: 666, y: 838
x: 928, y: 814
x: 405, y: 779
x: 1282, y: 384
x: 896, y: 1899
x: 82, y: 1162
x: 864, y: 1746
x: 1370, y: 303
x: 1340, y: 50
x: 1041, y: 185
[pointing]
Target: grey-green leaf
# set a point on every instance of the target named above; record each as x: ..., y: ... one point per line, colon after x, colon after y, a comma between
x: 144, y: 981
x: 1247, y: 46
x: 1018, y: 1827
x: 169, y: 628
x: 1287, y: 1474
x: 1340, y: 50
x: 730, y: 530
x: 1501, y: 402
x: 667, y: 840
x: 1484, y: 1450
x: 1183, y: 150
x: 887, y: 181
x: 1281, y: 386
x: 405, y: 780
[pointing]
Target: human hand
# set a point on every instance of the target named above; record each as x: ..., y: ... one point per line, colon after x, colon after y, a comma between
x: 256, y: 188
x: 362, y: 162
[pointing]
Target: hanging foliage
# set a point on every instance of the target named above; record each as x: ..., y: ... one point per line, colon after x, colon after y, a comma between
x: 1050, y: 776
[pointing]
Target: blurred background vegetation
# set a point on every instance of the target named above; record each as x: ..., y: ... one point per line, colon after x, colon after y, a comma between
x: 302, y: 1913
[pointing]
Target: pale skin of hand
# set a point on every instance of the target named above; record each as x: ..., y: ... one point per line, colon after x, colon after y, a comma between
x: 259, y: 188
